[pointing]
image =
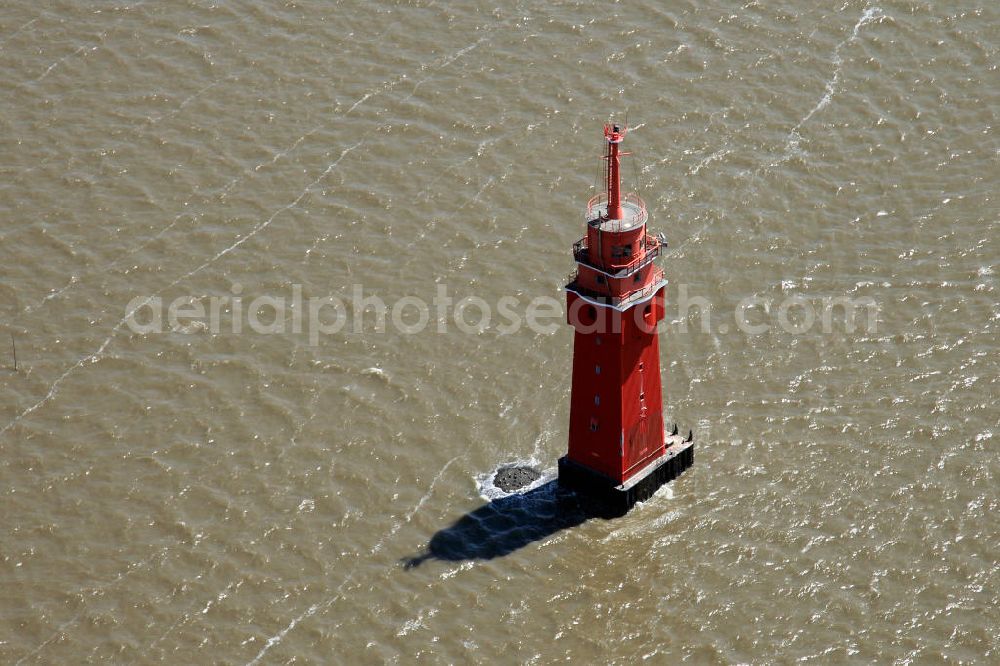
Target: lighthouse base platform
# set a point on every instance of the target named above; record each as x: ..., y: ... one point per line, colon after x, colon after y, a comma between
x: 612, y: 500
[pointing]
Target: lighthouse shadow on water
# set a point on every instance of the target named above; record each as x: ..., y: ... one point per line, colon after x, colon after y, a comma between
x: 506, y: 524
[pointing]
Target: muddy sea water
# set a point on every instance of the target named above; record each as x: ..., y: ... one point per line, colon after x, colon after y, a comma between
x: 214, y: 494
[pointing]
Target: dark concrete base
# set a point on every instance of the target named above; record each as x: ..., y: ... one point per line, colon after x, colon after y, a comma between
x: 610, y: 500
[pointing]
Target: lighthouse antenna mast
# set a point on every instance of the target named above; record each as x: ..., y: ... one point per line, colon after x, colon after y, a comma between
x: 614, y: 135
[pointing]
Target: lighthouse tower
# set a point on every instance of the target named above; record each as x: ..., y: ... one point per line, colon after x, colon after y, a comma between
x: 619, y: 452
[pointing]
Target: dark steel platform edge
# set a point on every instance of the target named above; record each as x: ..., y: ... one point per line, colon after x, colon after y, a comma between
x: 616, y: 500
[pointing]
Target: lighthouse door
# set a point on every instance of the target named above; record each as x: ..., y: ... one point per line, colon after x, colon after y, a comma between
x: 638, y: 423
x: 638, y: 447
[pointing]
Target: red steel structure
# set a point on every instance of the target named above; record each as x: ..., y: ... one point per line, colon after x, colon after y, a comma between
x: 618, y: 449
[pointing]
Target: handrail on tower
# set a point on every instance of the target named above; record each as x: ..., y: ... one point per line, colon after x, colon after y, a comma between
x: 598, y: 201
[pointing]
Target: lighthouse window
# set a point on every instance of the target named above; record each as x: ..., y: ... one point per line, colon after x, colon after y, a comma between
x: 642, y: 396
x: 597, y: 369
x: 637, y: 276
x: 640, y: 365
x: 621, y: 251
x: 597, y: 340
x: 597, y: 400
x: 600, y: 279
x: 593, y: 425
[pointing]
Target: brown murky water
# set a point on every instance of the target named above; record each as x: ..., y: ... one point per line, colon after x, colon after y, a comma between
x: 208, y: 496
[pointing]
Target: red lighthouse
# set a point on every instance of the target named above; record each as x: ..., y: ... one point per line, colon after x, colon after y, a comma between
x: 618, y: 450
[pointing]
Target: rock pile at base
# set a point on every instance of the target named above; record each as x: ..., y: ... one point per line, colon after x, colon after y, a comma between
x: 509, y: 479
